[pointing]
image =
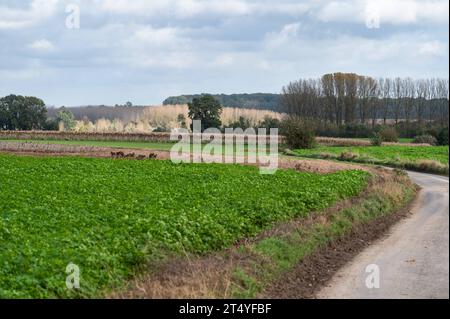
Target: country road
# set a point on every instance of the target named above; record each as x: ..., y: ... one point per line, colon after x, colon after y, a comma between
x: 413, y: 259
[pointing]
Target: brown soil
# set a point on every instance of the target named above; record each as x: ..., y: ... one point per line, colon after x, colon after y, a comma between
x: 316, y: 270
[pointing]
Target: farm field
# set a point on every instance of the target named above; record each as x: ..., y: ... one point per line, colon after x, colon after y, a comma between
x: 154, y: 146
x: 110, y: 217
x: 397, y: 156
x: 400, y: 140
x: 115, y: 144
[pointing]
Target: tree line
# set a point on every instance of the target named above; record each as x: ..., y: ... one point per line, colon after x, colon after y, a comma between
x: 26, y: 113
x: 349, y: 98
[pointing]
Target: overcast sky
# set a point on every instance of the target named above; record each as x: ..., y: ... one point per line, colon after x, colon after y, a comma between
x: 145, y: 50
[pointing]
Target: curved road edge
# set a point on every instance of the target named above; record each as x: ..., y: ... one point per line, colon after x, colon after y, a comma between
x: 412, y: 261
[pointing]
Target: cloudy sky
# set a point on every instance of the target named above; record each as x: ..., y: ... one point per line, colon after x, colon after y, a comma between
x: 145, y: 50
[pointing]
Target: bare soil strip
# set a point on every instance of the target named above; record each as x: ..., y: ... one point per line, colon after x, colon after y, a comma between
x: 315, y: 271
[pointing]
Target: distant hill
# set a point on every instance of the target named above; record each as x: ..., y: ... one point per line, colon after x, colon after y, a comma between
x: 260, y: 101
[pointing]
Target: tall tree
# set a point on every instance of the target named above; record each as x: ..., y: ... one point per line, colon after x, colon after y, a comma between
x: 351, y: 95
x: 22, y: 113
x: 385, y: 86
x: 206, y: 109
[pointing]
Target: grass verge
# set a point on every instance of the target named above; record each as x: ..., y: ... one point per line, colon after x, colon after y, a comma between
x: 428, y: 159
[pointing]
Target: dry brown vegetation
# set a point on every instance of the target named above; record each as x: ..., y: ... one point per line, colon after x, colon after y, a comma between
x: 166, y: 117
x: 336, y: 141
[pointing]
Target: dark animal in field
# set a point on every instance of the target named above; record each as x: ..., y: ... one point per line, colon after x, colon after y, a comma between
x: 117, y: 155
x: 153, y: 156
x: 141, y: 157
x: 131, y: 155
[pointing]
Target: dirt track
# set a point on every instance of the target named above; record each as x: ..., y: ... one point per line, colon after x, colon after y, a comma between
x: 413, y: 259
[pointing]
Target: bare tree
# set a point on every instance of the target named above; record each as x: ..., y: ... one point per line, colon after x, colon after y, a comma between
x: 329, y: 92
x: 398, y: 95
x: 422, y: 95
x: 385, y: 87
x: 351, y: 96
x: 347, y: 97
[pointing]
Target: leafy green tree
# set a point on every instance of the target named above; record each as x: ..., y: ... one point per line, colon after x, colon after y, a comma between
x: 67, y: 118
x: 299, y: 133
x: 269, y: 123
x: 443, y: 136
x: 242, y: 123
x: 51, y: 125
x: 207, y: 109
x: 182, y: 120
x: 22, y: 113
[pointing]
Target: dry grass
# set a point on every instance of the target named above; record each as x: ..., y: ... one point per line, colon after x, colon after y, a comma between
x: 348, y: 156
x: 431, y: 166
x: 47, y: 148
x: 166, y: 117
x: 336, y: 141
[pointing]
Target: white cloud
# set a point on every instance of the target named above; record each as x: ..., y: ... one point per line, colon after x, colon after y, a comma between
x: 20, y: 18
x: 157, y: 37
x: 191, y: 8
x: 394, y: 12
x: 156, y: 47
x: 285, y: 36
x: 225, y: 59
x: 432, y: 48
x: 141, y: 7
x: 42, y: 45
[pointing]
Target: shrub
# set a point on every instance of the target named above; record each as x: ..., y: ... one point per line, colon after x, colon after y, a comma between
x: 348, y: 156
x: 269, y: 122
x: 67, y: 119
x: 431, y: 166
x: 51, y: 125
x: 356, y: 130
x: 298, y: 133
x: 161, y: 129
x: 425, y: 139
x: 388, y: 134
x: 376, y: 140
x: 442, y: 138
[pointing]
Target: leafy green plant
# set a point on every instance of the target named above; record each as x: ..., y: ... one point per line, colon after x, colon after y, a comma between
x: 298, y: 133
x: 376, y: 140
x: 111, y: 217
x: 442, y: 137
x: 389, y: 134
x: 425, y: 139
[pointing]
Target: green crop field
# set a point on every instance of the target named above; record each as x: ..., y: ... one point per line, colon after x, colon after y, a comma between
x: 110, y: 217
x: 431, y: 159
x: 388, y: 153
x: 400, y: 140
